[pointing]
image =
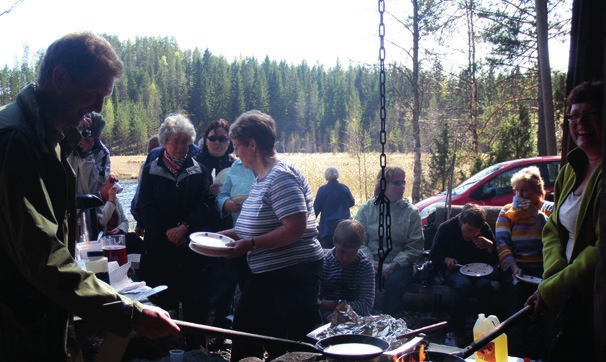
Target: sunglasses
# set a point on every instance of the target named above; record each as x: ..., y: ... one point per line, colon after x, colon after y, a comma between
x: 215, y: 138
x: 398, y: 183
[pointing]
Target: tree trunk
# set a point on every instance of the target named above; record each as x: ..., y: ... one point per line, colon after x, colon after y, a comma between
x: 416, y: 106
x: 473, y: 85
x: 545, y: 71
x: 541, y: 138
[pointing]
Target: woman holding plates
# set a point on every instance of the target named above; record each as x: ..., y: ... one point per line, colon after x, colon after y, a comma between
x: 277, y: 231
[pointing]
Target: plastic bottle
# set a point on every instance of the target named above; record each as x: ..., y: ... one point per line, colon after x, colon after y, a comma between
x: 495, y: 350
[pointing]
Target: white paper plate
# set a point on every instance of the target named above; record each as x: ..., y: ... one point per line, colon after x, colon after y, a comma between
x: 221, y: 176
x: 239, y: 198
x: 476, y: 269
x: 210, y: 244
x: 529, y: 279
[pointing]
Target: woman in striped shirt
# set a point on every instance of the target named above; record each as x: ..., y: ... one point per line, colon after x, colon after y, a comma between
x: 277, y: 232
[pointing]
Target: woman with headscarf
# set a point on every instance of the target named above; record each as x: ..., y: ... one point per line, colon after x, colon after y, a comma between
x: 175, y: 200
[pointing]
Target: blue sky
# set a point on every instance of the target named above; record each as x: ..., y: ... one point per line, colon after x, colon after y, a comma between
x: 319, y: 31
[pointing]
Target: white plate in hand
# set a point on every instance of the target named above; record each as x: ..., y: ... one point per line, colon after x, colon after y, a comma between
x: 529, y: 279
x: 210, y: 244
x: 476, y: 269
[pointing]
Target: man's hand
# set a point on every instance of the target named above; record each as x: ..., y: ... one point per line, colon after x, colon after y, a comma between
x: 451, y: 263
x: 155, y: 322
x: 483, y: 243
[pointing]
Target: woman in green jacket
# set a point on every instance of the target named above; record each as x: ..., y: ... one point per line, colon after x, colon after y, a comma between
x: 406, y: 233
x: 571, y: 235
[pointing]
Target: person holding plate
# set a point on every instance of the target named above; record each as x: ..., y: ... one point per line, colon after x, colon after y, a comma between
x: 277, y: 232
x: 464, y: 239
x: 520, y: 247
x: 175, y: 200
x: 235, y: 271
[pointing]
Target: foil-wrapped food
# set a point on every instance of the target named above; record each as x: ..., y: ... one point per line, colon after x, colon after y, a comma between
x: 346, y: 321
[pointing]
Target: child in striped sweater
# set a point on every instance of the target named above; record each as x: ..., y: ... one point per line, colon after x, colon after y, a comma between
x: 348, y: 274
x: 520, y: 247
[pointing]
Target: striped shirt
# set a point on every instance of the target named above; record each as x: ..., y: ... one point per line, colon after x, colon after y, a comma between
x: 282, y: 192
x: 520, y: 241
x: 354, y: 283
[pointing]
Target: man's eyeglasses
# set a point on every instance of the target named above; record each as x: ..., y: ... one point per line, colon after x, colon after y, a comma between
x: 215, y: 138
x: 592, y: 117
x: 398, y: 183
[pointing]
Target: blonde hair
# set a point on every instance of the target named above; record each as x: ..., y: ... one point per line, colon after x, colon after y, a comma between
x: 391, y: 172
x: 531, y: 176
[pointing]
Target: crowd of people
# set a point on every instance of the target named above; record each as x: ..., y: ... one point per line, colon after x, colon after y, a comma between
x: 291, y: 274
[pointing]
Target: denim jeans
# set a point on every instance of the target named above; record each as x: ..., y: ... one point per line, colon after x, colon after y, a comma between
x: 395, y: 286
x: 463, y: 287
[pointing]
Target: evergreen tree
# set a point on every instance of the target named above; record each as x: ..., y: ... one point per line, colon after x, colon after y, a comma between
x: 440, y: 159
x: 517, y: 137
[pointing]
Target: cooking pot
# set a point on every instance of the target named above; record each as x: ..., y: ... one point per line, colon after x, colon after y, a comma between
x: 352, y: 347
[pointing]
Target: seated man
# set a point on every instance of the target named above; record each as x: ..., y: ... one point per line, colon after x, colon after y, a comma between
x: 463, y: 239
x: 348, y: 274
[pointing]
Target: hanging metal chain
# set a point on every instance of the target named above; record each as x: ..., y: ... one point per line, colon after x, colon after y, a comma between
x: 383, y: 202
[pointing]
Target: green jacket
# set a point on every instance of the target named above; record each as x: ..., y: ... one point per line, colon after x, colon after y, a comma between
x: 39, y: 281
x: 406, y: 231
x: 580, y: 273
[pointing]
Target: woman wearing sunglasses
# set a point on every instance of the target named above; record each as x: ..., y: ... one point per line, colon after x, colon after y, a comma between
x: 216, y: 149
x: 406, y: 235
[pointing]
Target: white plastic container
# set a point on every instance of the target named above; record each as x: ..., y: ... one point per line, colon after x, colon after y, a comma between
x: 495, y: 350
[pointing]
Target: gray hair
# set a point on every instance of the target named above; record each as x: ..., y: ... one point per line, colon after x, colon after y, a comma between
x: 331, y: 173
x: 176, y: 123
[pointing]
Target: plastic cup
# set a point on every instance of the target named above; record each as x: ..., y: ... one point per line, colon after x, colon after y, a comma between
x: 114, y: 248
x: 517, y: 200
x: 176, y: 355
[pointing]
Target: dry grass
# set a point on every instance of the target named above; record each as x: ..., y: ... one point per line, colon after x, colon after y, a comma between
x: 358, y: 174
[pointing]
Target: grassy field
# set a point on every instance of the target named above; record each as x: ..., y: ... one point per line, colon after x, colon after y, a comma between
x: 358, y: 174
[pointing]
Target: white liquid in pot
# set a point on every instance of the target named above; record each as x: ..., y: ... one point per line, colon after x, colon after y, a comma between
x: 353, y: 349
